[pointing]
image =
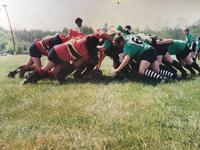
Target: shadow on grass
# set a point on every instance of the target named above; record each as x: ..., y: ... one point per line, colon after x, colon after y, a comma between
x: 106, y: 80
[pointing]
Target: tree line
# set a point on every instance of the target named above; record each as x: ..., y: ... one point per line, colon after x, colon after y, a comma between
x: 24, y: 37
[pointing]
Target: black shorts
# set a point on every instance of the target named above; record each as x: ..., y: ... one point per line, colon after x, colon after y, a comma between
x: 161, y: 50
x: 184, y: 54
x: 34, y: 51
x: 53, y: 57
x: 149, y: 55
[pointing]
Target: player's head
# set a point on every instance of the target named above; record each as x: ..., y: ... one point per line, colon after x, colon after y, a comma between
x: 79, y: 22
x: 120, y: 29
x: 91, y: 44
x: 118, y: 41
x: 128, y: 27
x: 187, y: 31
x: 198, y: 38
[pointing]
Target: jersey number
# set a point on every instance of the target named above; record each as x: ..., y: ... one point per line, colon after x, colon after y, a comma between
x: 137, y: 41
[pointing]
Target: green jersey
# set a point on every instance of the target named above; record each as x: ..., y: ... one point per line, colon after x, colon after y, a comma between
x: 134, y: 47
x: 189, y: 38
x: 177, y: 47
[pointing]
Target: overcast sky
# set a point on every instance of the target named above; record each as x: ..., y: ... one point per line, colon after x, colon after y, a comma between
x: 57, y: 14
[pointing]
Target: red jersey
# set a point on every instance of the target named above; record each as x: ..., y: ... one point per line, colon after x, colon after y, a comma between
x: 47, y: 43
x: 72, y: 50
x: 75, y: 48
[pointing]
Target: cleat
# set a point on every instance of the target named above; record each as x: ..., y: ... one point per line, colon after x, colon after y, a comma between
x: 26, y: 81
x: 164, y: 80
x: 184, y: 75
x: 178, y: 78
x: 11, y: 75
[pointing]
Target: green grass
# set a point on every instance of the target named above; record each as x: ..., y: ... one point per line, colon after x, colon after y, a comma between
x: 97, y: 115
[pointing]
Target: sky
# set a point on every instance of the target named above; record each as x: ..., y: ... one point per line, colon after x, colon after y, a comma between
x: 57, y: 14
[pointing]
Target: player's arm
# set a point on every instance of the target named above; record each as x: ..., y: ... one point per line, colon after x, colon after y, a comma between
x: 49, y: 37
x: 121, y: 57
x: 165, y: 41
x: 101, y: 56
x: 123, y: 64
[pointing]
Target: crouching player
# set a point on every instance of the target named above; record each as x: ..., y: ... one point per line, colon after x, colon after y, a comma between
x: 182, y: 52
x: 87, y: 69
x: 41, y: 48
x: 190, y: 40
x: 114, y: 50
x: 146, y: 55
x: 76, y: 52
x: 161, y: 47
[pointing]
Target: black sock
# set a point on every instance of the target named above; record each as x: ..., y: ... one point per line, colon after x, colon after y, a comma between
x: 179, y: 67
x: 167, y: 74
x: 196, y: 66
x: 188, y: 67
x: 153, y: 75
x: 66, y: 70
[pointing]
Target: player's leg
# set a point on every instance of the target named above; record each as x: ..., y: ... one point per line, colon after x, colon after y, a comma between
x: 90, y: 67
x: 78, y: 73
x: 64, y: 71
x: 28, y: 63
x: 188, y: 62
x: 41, y: 73
x: 33, y: 62
x: 149, y: 59
x: 191, y: 63
x: 170, y: 61
x: 145, y: 71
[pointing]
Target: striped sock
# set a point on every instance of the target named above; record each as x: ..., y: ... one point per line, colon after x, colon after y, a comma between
x: 166, y: 74
x: 153, y: 75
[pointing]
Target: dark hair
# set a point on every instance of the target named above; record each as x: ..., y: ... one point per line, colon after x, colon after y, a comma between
x: 78, y: 20
x: 91, y: 44
x: 128, y: 27
x: 118, y: 38
x: 187, y: 30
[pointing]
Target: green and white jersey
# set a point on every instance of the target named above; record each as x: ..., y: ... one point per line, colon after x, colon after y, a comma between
x: 134, y: 47
x: 177, y: 47
x: 189, y: 38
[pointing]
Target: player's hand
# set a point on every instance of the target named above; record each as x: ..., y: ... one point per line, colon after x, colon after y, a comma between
x: 114, y: 71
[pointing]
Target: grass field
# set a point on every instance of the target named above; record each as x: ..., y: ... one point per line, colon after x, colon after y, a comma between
x: 97, y: 115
